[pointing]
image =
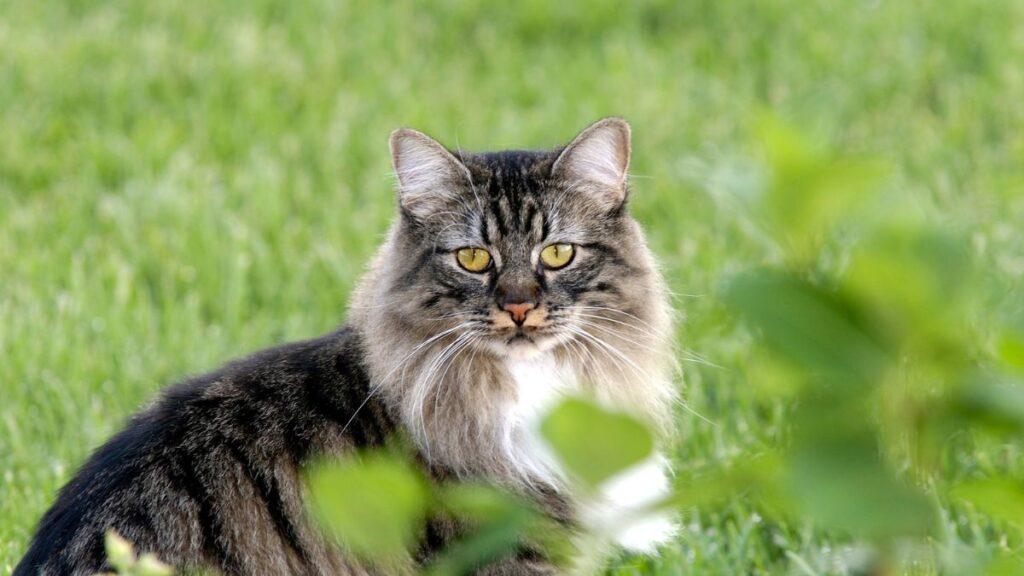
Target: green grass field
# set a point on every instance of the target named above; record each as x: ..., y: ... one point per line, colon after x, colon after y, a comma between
x: 182, y: 183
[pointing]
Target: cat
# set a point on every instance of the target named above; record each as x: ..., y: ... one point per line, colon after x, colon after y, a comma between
x: 506, y: 281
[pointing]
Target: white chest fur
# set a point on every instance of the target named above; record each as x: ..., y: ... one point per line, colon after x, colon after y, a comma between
x: 541, y: 382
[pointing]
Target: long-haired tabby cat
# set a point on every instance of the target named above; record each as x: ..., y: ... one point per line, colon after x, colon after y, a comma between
x: 507, y: 280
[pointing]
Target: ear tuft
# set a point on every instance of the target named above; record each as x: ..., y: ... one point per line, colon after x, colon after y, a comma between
x: 597, y: 161
x: 429, y: 176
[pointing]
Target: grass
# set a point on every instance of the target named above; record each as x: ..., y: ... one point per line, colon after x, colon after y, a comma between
x: 182, y: 183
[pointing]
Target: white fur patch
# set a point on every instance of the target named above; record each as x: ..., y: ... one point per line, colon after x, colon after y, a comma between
x: 625, y: 495
x: 541, y: 383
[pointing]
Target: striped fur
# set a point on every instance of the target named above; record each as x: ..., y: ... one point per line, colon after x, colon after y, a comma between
x: 209, y: 475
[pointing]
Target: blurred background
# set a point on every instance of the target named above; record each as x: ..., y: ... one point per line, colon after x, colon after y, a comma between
x: 182, y: 183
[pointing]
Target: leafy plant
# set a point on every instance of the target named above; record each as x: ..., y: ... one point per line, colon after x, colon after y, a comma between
x: 375, y: 504
x: 592, y: 443
x: 121, y: 555
x: 863, y: 322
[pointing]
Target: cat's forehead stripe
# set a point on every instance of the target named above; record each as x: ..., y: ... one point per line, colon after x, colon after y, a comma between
x: 513, y: 184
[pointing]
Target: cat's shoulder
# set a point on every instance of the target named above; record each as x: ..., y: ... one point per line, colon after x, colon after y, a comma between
x: 333, y: 356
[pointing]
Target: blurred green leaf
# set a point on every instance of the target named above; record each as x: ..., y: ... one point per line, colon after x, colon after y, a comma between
x: 149, y: 565
x: 489, y: 542
x: 374, y: 505
x: 806, y: 325
x: 500, y: 521
x: 1001, y: 498
x: 480, y: 502
x: 840, y: 481
x: 998, y: 406
x: 1005, y: 565
x: 593, y: 443
x: 771, y: 377
x: 120, y: 552
x: 788, y: 151
x: 914, y: 277
x: 1011, y: 349
x: 810, y: 191
x: 756, y: 476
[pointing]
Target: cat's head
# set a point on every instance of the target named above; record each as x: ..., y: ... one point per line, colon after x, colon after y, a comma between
x: 517, y: 252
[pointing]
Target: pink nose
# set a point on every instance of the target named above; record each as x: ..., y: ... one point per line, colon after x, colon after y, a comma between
x: 518, y: 311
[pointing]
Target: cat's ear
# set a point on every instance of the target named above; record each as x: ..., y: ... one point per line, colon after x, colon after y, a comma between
x: 429, y: 176
x: 596, y: 161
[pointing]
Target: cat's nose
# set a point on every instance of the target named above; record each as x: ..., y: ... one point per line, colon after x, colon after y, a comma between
x: 518, y: 311
x: 517, y: 296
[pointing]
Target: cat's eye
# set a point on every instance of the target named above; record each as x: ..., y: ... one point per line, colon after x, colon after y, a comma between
x: 557, y: 256
x: 473, y: 259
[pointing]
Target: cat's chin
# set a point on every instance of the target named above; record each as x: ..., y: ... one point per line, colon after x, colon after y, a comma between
x: 521, y: 347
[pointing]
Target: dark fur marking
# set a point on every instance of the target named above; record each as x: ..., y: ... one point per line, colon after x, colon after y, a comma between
x: 267, y: 487
x: 184, y: 476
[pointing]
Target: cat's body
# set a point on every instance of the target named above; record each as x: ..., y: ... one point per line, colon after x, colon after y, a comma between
x: 459, y: 351
x: 209, y: 475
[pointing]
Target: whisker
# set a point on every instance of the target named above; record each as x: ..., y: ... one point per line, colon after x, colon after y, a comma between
x: 420, y: 393
x: 639, y: 373
x: 377, y: 385
x: 618, y: 364
x: 439, y: 387
x: 427, y: 378
x: 623, y: 323
x: 619, y: 334
x: 689, y: 355
x: 682, y: 403
x: 617, y: 311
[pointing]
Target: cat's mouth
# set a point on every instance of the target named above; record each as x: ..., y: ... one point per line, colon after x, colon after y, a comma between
x: 524, y: 342
x: 519, y: 339
x: 521, y: 345
x: 519, y: 336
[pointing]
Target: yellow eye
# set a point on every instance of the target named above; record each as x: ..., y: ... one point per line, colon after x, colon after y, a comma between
x: 557, y: 256
x: 473, y: 259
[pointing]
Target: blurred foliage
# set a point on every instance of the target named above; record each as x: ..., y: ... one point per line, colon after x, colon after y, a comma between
x: 376, y: 505
x: 373, y: 506
x: 122, y: 557
x: 593, y: 444
x: 498, y: 522
x: 877, y: 357
x: 217, y: 173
